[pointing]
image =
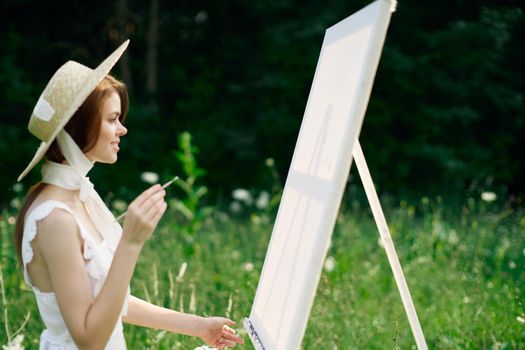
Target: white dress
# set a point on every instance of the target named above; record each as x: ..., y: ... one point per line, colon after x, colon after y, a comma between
x: 98, y: 257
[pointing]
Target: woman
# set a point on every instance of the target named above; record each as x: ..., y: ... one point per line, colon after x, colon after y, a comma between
x: 76, y: 257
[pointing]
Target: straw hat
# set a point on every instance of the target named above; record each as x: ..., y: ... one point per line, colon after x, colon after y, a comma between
x: 64, y: 94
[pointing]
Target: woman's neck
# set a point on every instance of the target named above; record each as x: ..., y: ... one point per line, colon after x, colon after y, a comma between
x: 59, y: 193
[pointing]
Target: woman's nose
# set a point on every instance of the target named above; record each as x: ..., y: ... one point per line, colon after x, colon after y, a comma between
x: 122, y: 130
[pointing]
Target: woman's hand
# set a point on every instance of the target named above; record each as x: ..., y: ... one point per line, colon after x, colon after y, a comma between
x: 217, y: 333
x: 144, y: 214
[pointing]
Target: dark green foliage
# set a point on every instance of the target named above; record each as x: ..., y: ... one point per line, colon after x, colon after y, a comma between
x: 447, y: 110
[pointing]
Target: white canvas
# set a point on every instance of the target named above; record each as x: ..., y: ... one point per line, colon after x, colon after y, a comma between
x: 317, y: 177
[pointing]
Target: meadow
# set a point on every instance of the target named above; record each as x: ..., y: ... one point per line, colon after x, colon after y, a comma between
x: 448, y: 102
x: 464, y: 268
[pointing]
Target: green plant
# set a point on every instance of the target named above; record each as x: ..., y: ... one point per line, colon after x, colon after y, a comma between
x: 13, y: 338
x: 190, y: 207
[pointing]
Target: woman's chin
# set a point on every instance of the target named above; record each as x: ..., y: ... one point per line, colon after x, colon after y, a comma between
x: 108, y: 160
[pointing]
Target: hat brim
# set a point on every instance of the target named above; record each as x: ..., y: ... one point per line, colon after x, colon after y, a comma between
x: 96, y: 77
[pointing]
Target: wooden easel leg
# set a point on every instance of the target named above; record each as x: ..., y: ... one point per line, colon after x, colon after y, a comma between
x: 388, y: 244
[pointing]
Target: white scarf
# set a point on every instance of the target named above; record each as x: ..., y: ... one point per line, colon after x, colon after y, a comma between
x: 73, y: 177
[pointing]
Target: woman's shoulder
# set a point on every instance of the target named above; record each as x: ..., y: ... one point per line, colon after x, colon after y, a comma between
x: 52, y: 196
x: 51, y: 219
x: 49, y: 213
x: 51, y: 231
x: 44, y: 205
x: 57, y: 223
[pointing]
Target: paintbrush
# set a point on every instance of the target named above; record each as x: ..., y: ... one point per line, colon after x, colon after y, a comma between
x: 163, y: 187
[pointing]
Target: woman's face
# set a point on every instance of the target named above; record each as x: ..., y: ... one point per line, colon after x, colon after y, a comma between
x: 107, y: 146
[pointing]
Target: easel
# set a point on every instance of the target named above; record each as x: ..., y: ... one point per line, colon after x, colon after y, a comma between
x: 316, y: 181
x: 388, y: 244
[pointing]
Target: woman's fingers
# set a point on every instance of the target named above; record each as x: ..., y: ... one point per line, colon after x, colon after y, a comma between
x: 156, y: 217
x: 229, y: 343
x: 144, y: 214
x: 228, y: 329
x: 146, y: 194
x: 152, y: 209
x: 225, y: 342
x: 230, y: 338
x: 152, y: 206
x: 152, y: 200
x: 229, y: 322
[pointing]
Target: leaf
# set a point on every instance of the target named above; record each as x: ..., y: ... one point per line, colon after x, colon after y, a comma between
x: 201, y: 191
x: 180, y: 207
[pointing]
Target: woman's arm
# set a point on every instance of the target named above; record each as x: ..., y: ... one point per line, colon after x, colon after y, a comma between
x: 91, y: 321
x: 213, y: 330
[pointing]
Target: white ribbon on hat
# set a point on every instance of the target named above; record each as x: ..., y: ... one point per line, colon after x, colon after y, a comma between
x: 72, y: 176
x: 43, y: 110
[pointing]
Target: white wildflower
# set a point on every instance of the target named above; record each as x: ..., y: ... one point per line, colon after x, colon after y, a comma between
x: 18, y: 187
x: 119, y: 205
x: 149, y: 177
x: 466, y: 300
x: 248, y: 266
x: 16, y: 203
x: 373, y: 270
x: 201, y: 17
x: 182, y: 271
x: 11, y: 220
x: 235, y: 207
x: 488, y: 196
x: 329, y: 264
x: 262, y: 200
x: 15, y: 344
x: 422, y: 260
x: 236, y: 254
x: 269, y: 162
x: 520, y: 319
x: 512, y: 265
x: 242, y: 195
x: 453, y: 237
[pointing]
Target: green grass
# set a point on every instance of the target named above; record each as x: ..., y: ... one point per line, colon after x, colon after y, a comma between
x: 464, y: 268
